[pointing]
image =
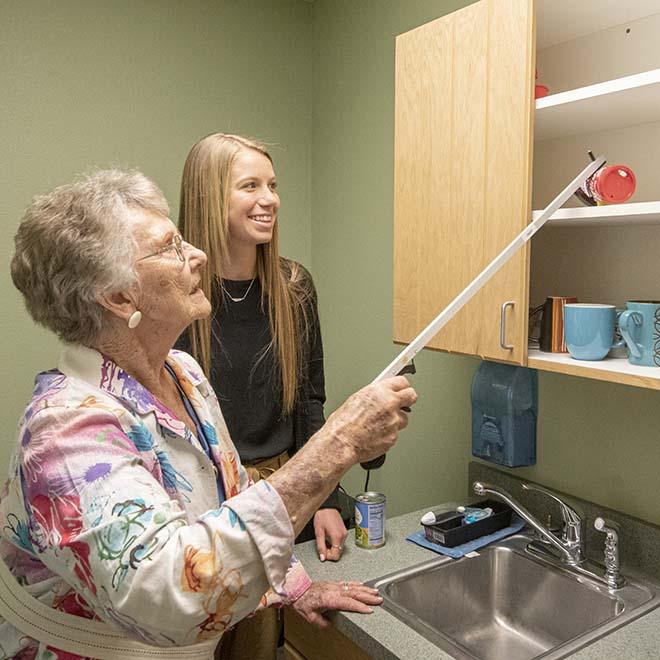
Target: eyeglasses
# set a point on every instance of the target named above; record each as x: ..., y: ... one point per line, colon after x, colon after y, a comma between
x: 176, y: 245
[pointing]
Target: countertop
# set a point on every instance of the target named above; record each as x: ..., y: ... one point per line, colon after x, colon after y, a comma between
x: 384, y: 637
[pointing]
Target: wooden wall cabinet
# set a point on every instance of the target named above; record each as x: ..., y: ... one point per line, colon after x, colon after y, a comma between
x: 463, y: 173
x: 475, y: 154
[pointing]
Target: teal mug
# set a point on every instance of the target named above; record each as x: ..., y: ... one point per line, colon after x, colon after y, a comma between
x: 640, y: 328
x: 589, y: 330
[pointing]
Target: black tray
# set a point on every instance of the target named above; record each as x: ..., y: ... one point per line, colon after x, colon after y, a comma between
x: 450, y: 530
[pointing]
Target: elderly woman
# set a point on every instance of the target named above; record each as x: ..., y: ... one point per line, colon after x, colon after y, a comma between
x: 126, y: 501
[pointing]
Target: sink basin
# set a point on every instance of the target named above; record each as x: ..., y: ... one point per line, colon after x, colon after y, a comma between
x: 505, y: 604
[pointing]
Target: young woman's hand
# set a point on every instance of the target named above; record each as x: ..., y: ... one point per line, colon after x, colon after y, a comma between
x: 330, y: 531
x: 325, y: 596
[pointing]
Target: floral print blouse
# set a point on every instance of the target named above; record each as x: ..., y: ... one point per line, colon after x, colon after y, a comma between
x: 111, y: 511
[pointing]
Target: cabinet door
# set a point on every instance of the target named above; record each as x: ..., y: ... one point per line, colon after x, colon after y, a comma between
x: 304, y: 641
x: 463, y: 152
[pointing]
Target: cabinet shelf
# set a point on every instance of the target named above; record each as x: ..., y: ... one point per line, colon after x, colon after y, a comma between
x: 614, y: 370
x: 612, y: 104
x: 639, y: 213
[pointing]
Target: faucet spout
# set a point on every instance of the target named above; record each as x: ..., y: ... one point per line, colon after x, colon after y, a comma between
x: 570, y: 550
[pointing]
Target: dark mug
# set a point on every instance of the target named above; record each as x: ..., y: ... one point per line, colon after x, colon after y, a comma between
x: 551, y: 339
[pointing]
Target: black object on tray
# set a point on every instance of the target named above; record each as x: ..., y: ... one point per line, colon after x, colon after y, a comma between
x: 450, y: 530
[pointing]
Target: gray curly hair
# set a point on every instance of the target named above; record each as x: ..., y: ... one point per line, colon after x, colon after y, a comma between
x: 73, y: 244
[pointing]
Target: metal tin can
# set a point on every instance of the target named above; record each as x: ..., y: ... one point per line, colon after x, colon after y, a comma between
x: 370, y: 520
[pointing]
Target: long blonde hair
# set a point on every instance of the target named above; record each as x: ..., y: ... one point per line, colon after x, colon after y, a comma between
x: 285, y: 286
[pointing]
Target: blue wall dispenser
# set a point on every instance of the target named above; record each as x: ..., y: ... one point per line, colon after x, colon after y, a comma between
x: 505, y: 403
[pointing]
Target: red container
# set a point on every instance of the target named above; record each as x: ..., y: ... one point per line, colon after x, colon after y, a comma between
x: 612, y: 185
x: 540, y: 91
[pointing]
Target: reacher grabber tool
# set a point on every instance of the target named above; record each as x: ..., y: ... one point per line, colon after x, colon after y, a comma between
x: 417, y: 344
x: 403, y: 361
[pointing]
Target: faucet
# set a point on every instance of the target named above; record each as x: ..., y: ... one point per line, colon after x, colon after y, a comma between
x: 571, y: 544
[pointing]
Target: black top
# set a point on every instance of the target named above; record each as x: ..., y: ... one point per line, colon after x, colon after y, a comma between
x: 243, y: 374
x: 246, y: 382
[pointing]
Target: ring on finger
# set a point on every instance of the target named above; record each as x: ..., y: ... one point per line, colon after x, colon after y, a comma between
x: 345, y: 585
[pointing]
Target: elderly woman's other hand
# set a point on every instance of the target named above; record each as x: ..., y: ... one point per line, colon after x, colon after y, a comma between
x: 369, y: 420
x: 326, y: 596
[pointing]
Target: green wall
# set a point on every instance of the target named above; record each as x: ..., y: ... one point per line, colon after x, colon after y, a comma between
x: 136, y: 83
x: 596, y: 440
x: 352, y: 202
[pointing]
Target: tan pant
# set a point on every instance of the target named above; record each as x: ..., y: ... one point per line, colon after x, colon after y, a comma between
x: 255, y: 638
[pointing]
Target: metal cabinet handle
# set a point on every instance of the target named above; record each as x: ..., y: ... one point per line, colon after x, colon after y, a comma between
x: 503, y: 344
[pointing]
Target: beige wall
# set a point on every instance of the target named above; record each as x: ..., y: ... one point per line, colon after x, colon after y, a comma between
x: 134, y: 83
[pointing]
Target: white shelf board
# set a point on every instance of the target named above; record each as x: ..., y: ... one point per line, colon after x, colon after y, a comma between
x: 638, y: 213
x: 617, y: 370
x: 586, y: 17
x: 611, y: 104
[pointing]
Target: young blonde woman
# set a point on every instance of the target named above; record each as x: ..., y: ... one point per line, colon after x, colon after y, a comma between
x: 262, y: 345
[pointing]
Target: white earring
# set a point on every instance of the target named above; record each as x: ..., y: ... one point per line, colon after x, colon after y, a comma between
x: 134, y: 320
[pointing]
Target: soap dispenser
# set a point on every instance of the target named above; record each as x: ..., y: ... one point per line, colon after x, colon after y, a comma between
x: 504, y: 414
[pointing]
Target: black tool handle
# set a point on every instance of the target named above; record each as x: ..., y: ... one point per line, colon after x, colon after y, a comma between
x: 377, y: 462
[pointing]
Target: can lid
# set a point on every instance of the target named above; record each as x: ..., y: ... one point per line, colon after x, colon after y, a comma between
x: 615, y: 184
x: 370, y: 497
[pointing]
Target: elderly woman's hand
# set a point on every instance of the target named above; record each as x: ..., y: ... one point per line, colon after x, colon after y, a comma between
x: 325, y: 596
x: 364, y: 427
x: 369, y: 420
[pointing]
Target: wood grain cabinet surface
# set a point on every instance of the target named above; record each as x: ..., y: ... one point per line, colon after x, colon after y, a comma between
x: 463, y: 141
x: 306, y: 642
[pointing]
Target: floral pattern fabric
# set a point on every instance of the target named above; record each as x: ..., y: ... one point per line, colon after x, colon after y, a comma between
x: 111, y: 511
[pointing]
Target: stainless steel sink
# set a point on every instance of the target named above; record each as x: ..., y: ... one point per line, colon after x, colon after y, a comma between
x: 505, y: 604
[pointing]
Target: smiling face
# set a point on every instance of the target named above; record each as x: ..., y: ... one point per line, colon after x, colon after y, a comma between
x: 168, y: 292
x: 253, y: 199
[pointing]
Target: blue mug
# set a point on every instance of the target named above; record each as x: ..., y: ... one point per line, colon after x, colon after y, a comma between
x: 589, y: 330
x: 640, y: 327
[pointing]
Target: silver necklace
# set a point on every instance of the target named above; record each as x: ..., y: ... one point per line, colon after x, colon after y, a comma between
x: 244, y: 296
